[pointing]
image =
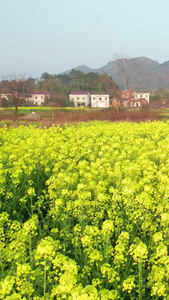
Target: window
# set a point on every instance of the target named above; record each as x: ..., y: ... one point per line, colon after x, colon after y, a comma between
x: 36, y: 97
x: 140, y: 96
x: 78, y: 98
x: 93, y: 98
x: 105, y: 98
x: 100, y: 98
x: 83, y: 98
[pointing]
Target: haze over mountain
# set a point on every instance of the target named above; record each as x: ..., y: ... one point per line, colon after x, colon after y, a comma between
x: 145, y: 73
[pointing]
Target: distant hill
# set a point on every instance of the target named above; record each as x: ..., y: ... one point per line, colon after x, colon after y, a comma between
x: 83, y: 68
x: 148, y: 75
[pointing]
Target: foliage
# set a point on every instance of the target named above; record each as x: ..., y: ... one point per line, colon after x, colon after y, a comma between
x: 159, y: 94
x: 63, y: 84
x: 5, y: 122
x: 84, y: 212
x: 59, y: 85
x: 58, y: 101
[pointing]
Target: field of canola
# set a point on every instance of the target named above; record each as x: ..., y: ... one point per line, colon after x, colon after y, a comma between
x: 84, y: 212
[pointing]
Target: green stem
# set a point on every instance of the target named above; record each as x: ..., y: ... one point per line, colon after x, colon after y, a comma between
x: 31, y: 207
x: 140, y: 280
x: 30, y: 248
x: 44, y: 281
x: 2, y: 269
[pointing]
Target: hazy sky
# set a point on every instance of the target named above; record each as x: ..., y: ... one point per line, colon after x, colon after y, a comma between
x: 53, y: 36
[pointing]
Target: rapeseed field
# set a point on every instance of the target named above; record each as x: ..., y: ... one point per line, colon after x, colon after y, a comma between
x: 84, y: 212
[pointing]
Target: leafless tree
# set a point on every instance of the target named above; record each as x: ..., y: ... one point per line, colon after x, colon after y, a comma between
x: 15, y: 88
x: 128, y: 68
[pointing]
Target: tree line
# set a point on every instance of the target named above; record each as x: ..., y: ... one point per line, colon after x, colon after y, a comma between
x: 76, y: 80
x: 59, y: 85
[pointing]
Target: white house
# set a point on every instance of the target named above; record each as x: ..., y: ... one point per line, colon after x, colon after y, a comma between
x: 100, y: 100
x: 80, y: 98
x: 142, y: 95
x: 39, y: 97
x: 5, y: 96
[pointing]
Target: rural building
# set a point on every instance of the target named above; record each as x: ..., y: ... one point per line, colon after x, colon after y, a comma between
x: 39, y: 97
x: 142, y: 95
x: 87, y: 99
x: 5, y: 96
x: 100, y: 100
x: 115, y: 102
x: 140, y: 99
x: 80, y: 98
x: 133, y: 103
x: 126, y: 94
x: 36, y: 98
x: 131, y: 99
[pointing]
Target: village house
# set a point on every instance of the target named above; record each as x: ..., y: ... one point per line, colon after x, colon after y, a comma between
x: 87, y: 99
x: 80, y: 98
x: 36, y: 98
x: 140, y: 99
x: 5, y: 96
x: 142, y: 95
x: 136, y: 103
x: 39, y: 97
x: 123, y: 98
x: 100, y: 100
x: 126, y: 94
x: 131, y: 99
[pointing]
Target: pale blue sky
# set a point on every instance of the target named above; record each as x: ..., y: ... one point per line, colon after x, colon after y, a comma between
x: 57, y: 35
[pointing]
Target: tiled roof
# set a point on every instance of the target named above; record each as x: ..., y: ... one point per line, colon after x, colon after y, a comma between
x: 143, y: 92
x: 42, y: 93
x: 99, y: 94
x: 79, y: 93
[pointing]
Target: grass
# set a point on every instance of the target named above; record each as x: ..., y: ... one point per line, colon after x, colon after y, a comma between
x: 60, y: 116
x: 39, y: 109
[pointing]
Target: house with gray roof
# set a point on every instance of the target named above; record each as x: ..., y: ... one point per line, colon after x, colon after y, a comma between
x: 87, y: 99
x: 80, y: 98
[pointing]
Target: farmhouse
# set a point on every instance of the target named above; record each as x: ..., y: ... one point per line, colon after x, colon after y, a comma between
x: 36, y: 98
x: 87, y: 99
x: 80, y: 98
x: 100, y: 100
x: 39, y: 97
x: 135, y: 103
x: 131, y: 99
x: 142, y: 95
x: 140, y: 99
x: 5, y: 96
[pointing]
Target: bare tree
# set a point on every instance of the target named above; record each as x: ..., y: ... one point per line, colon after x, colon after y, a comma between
x: 128, y: 68
x: 15, y: 88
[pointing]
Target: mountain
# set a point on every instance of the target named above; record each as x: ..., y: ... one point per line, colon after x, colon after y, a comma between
x: 145, y: 73
x: 82, y: 68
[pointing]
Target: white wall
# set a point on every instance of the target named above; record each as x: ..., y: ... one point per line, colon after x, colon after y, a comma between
x: 78, y: 99
x: 38, y: 98
x: 143, y: 95
x: 100, y: 100
x: 135, y: 104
